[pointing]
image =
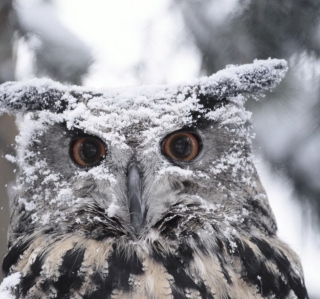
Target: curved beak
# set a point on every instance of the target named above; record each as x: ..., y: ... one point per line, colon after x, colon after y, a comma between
x: 134, y: 197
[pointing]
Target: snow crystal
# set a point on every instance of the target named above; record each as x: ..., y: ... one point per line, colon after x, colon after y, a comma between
x: 233, y: 246
x: 45, y: 218
x: 29, y: 205
x: 112, y: 209
x: 11, y: 158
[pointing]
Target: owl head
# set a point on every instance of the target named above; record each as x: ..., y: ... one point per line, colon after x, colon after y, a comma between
x: 135, y: 166
x: 126, y: 157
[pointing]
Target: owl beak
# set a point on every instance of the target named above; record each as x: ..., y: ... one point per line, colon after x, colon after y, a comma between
x: 134, y: 197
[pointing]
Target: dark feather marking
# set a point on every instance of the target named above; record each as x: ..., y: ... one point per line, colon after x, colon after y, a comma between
x: 120, y: 268
x: 104, y: 288
x: 174, y: 265
x: 220, y: 252
x: 220, y: 245
x: 185, y: 252
x: 45, y: 285
x: 108, y: 228
x: 28, y: 281
x: 178, y: 293
x: 269, y: 283
x: 69, y: 277
x: 252, y: 203
x: 255, y: 222
x: 283, y: 265
x: 223, y: 270
x: 14, y: 253
x: 168, y: 224
x: 25, y: 225
x: 203, y: 248
x: 209, y: 103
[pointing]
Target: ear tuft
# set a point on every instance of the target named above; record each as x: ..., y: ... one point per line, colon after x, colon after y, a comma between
x: 247, y: 79
x: 35, y: 94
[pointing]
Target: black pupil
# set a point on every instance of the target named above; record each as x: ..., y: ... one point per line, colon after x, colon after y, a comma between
x: 181, y: 146
x: 89, y: 150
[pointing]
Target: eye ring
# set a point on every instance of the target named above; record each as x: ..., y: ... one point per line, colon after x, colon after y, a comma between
x: 87, y: 151
x: 181, y: 146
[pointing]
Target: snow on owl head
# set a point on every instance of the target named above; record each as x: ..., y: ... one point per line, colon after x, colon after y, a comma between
x: 145, y: 192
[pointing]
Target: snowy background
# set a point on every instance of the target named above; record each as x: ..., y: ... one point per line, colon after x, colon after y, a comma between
x: 120, y: 43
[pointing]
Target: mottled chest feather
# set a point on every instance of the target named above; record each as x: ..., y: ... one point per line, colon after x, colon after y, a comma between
x: 206, y: 262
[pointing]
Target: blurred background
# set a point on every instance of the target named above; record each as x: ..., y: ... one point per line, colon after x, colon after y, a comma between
x: 103, y: 44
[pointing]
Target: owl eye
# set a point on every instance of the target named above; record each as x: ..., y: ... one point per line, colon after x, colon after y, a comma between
x: 87, y: 151
x: 181, y: 146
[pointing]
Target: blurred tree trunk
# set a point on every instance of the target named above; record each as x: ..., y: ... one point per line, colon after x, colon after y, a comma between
x: 58, y: 53
x: 7, y: 23
x: 7, y: 125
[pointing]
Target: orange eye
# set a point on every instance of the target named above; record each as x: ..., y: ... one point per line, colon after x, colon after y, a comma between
x: 181, y: 146
x: 87, y: 151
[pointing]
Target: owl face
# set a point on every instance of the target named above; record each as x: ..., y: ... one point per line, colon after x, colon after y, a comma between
x: 133, y: 157
x: 145, y: 192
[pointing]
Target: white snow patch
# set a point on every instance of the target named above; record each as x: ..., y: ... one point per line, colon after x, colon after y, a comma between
x: 112, y: 209
x: 177, y: 170
x: 8, y: 285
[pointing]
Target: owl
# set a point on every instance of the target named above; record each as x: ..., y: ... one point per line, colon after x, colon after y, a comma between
x: 143, y: 192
